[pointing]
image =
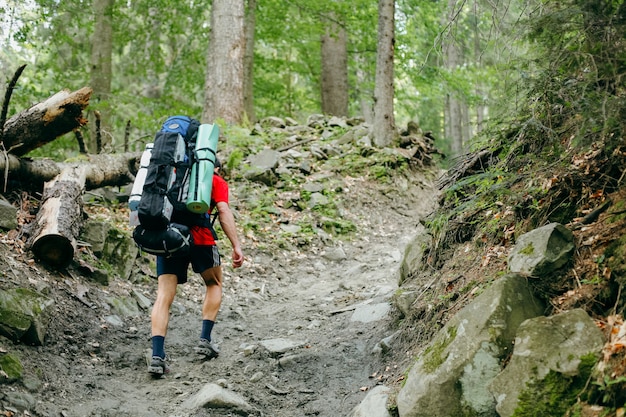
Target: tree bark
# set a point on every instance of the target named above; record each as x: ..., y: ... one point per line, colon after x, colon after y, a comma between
x: 45, y: 121
x: 100, y: 170
x: 384, y: 128
x: 101, y: 71
x: 334, y: 69
x: 453, y: 112
x: 365, y: 94
x: 58, y: 221
x: 224, y: 88
x: 248, y: 95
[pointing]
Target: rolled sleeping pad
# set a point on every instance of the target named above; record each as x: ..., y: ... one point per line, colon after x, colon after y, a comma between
x: 140, y: 179
x: 201, y: 181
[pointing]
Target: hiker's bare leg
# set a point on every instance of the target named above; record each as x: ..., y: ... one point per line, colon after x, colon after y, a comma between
x: 161, y: 308
x: 213, y: 298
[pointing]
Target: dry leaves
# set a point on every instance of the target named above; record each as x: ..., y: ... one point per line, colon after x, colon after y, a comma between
x: 615, y: 330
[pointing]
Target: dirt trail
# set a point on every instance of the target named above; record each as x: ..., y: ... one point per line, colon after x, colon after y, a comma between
x: 297, y: 330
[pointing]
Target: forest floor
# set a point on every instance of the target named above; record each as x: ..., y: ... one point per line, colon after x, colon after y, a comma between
x: 298, y: 329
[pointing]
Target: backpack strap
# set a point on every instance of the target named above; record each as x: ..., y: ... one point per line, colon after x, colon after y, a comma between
x: 213, y: 215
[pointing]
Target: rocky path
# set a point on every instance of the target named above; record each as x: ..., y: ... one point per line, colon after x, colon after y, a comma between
x: 299, y: 333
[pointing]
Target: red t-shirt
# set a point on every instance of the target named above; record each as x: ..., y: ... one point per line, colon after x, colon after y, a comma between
x: 219, y: 193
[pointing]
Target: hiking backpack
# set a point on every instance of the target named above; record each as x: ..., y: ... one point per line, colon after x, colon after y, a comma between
x: 159, y: 213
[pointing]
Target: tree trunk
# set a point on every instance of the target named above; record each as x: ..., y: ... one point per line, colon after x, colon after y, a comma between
x: 384, y: 128
x: 364, y: 91
x: 248, y: 96
x: 101, y: 70
x: 45, y: 121
x: 100, y: 170
x: 453, y: 111
x: 58, y: 222
x: 224, y: 88
x: 334, y: 69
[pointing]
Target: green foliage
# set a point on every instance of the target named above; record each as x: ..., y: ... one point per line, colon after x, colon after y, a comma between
x: 61, y: 149
x: 556, y: 393
x: 11, y: 368
x: 434, y: 354
x: 575, y: 94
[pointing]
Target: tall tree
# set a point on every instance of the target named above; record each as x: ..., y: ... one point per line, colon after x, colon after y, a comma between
x: 101, y: 70
x: 454, y: 109
x: 334, y: 67
x: 250, y: 28
x: 384, y: 128
x: 224, y: 87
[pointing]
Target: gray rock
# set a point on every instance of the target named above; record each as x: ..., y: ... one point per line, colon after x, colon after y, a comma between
x: 385, y: 345
x: 142, y: 301
x: 273, y: 121
x: 290, y: 228
x: 545, y: 344
x: 20, y: 400
x: 334, y: 254
x: 413, y: 253
x: 541, y: 251
x: 317, y: 199
x: 403, y: 300
x: 289, y: 121
x: 266, y: 159
x: 262, y: 166
x: 8, y: 215
x: 124, y: 306
x: 370, y: 313
x: 120, y: 251
x: 305, y: 167
x: 335, y: 121
x: 451, y: 377
x: 374, y: 404
x: 95, y: 234
x: 316, y: 121
x: 313, y: 187
x: 280, y: 346
x: 215, y: 396
x: 114, y: 320
x: 24, y: 315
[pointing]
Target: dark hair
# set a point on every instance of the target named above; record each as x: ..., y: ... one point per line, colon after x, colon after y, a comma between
x: 217, y: 163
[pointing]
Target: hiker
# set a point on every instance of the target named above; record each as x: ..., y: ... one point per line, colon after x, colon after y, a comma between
x: 205, y: 259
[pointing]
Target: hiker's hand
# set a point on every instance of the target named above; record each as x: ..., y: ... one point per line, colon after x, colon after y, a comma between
x: 237, y: 257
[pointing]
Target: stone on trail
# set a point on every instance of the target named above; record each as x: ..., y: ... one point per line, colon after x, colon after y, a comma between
x: 277, y: 347
x: 369, y: 313
x: 214, y: 396
x: 374, y: 404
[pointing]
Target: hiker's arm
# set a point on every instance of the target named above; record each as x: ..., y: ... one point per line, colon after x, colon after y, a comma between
x: 227, y: 221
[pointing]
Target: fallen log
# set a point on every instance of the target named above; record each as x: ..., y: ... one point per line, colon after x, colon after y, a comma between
x: 45, y: 121
x: 53, y: 234
x: 101, y: 170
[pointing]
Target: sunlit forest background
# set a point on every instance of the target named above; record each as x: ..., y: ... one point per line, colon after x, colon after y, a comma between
x: 459, y: 65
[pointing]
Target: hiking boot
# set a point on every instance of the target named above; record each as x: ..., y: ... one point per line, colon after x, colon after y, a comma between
x: 205, y: 347
x: 158, y: 366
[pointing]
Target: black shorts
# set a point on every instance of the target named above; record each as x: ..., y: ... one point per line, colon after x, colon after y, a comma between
x: 201, y: 258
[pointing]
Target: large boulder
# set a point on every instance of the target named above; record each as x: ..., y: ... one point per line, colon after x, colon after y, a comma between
x: 24, y: 315
x: 451, y: 377
x: 556, y: 344
x: 541, y: 251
